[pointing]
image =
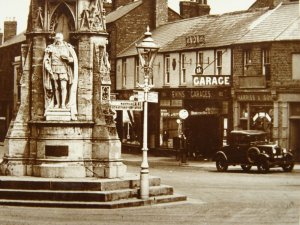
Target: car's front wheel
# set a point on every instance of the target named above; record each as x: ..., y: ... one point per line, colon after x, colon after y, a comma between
x: 289, y: 165
x: 246, y: 168
x: 221, y: 164
x: 263, y: 165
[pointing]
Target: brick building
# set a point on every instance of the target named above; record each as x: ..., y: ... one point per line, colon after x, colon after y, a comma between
x: 129, y: 19
x: 10, y: 74
x: 266, y: 88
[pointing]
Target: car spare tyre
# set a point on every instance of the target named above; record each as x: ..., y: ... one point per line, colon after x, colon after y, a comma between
x: 252, y: 154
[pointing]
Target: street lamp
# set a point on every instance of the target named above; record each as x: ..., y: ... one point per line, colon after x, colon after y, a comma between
x: 147, y: 51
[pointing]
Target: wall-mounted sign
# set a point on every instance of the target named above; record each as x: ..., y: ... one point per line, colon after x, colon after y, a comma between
x: 249, y: 97
x: 195, y: 40
x: 211, y: 80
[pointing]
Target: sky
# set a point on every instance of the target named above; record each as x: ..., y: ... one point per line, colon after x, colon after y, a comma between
x: 18, y: 9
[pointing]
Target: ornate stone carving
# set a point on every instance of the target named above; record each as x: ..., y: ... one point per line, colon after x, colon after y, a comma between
x: 39, y: 20
x: 93, y: 18
x: 60, y: 76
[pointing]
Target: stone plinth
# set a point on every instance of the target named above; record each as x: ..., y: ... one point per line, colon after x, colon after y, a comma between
x: 58, y: 114
x: 66, y: 149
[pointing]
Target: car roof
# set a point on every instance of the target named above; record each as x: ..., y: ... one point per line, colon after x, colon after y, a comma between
x: 248, y: 132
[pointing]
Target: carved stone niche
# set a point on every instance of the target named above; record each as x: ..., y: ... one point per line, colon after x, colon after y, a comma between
x: 62, y: 17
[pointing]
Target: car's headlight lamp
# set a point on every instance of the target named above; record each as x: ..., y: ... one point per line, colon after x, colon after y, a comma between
x: 274, y: 151
x: 284, y: 150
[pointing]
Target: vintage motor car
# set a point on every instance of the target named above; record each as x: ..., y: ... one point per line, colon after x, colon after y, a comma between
x: 249, y: 148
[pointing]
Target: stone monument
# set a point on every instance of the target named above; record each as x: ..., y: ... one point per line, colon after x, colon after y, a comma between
x: 64, y: 126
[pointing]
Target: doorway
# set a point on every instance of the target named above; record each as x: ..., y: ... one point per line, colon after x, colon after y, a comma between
x: 204, y: 135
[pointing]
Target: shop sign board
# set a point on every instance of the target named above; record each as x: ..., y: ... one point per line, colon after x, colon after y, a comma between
x: 253, y: 97
x: 211, y: 80
x: 126, y: 105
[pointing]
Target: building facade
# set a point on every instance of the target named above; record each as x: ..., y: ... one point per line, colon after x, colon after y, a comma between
x: 192, y: 71
x: 266, y: 77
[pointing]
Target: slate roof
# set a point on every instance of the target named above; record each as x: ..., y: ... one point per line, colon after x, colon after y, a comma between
x: 14, y: 40
x: 280, y: 23
x: 219, y: 30
x: 122, y: 11
x: 165, y: 34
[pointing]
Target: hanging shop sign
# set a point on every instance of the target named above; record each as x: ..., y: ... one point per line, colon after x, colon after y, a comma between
x: 211, y: 80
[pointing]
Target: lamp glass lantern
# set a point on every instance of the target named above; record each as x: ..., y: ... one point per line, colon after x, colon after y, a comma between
x: 147, y: 51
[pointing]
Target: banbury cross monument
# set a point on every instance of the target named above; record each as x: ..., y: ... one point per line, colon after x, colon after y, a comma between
x: 64, y: 126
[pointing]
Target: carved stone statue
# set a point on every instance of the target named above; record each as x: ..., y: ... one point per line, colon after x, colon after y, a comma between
x: 60, y: 76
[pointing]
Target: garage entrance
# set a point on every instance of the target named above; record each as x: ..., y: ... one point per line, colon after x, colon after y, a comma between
x: 204, y: 135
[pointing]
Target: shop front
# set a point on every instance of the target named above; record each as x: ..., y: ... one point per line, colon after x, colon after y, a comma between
x: 207, y: 124
x: 254, y: 111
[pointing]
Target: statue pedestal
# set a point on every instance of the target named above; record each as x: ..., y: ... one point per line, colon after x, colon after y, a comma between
x: 66, y: 149
x: 58, y: 114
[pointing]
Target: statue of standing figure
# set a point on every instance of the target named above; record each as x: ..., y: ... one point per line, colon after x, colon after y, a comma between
x: 60, y: 76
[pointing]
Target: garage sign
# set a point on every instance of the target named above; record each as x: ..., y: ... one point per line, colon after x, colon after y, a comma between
x: 211, y: 80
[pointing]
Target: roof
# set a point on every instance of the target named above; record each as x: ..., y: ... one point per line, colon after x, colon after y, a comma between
x: 14, y: 40
x: 122, y: 11
x: 280, y: 23
x: 219, y: 30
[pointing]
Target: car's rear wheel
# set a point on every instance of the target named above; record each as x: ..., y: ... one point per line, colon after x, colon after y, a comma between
x: 221, y: 164
x: 263, y: 165
x: 252, y: 154
x: 246, y: 168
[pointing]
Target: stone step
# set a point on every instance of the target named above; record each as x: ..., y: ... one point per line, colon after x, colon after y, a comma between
x: 84, y: 196
x: 106, y: 205
x: 87, y: 184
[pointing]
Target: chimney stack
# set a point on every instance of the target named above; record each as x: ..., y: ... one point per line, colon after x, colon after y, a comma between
x: 10, y: 29
x: 194, y: 8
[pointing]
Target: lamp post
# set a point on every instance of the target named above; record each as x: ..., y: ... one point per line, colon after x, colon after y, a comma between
x: 147, y: 51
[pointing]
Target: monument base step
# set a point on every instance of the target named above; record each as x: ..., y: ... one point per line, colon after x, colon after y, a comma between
x: 83, y: 193
x: 133, y: 202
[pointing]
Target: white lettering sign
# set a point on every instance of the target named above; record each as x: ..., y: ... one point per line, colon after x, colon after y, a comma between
x: 211, y: 80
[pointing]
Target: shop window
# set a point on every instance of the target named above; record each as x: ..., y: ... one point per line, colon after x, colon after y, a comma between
x: 219, y: 62
x: 169, y: 113
x: 256, y: 117
x: 137, y: 71
x: 167, y: 69
x: 183, y: 70
x: 296, y: 67
x: 124, y: 72
x: 266, y: 63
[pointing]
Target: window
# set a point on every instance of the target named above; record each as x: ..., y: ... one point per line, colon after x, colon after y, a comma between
x: 296, y: 67
x: 247, y: 59
x: 167, y: 69
x: 137, y: 71
x: 183, y: 69
x: 124, y: 78
x: 200, y: 58
x: 219, y: 62
x: 266, y: 63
